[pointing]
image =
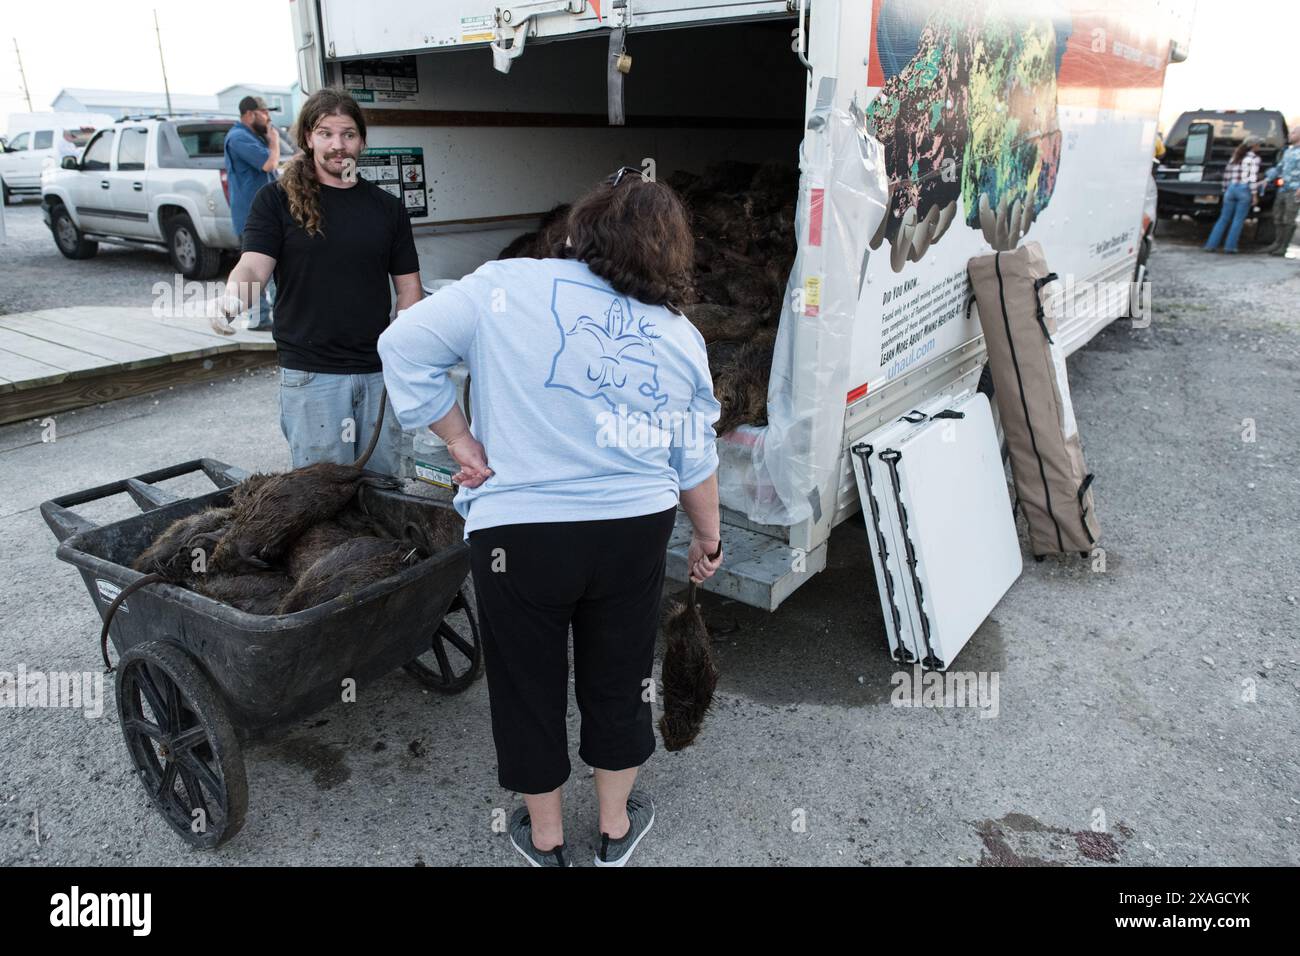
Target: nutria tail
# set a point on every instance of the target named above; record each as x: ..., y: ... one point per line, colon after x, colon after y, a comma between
x: 374, y: 437
x: 112, y: 610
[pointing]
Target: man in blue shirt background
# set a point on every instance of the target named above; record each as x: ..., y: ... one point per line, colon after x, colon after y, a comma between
x: 1288, y: 196
x: 252, y: 155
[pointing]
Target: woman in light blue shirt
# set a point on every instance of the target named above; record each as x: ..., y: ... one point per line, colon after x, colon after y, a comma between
x: 594, y: 418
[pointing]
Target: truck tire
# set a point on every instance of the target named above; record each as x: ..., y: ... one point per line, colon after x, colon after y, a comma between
x: 7, y: 195
x: 189, y: 255
x: 68, y: 237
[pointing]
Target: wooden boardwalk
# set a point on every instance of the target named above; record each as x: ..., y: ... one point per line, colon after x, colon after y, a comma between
x: 57, y: 359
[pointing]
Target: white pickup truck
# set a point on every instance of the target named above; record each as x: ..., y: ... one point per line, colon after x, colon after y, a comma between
x: 157, y: 182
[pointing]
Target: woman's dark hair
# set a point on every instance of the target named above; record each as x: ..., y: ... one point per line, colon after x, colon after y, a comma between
x: 636, y: 235
x: 1240, y: 152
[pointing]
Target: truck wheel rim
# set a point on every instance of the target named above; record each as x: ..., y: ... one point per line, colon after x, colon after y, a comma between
x: 67, y: 233
x: 185, y: 252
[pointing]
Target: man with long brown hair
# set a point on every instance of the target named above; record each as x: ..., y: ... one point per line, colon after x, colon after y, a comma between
x: 333, y: 241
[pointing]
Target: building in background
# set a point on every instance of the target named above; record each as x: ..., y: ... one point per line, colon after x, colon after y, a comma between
x: 118, y: 103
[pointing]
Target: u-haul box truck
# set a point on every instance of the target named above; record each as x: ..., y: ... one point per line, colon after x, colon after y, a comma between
x: 925, y: 131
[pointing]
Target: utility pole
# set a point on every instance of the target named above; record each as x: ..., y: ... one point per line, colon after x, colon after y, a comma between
x: 26, y: 93
x: 166, y: 89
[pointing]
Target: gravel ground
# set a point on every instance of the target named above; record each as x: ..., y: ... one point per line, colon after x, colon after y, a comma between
x: 38, y: 277
x: 1146, y: 713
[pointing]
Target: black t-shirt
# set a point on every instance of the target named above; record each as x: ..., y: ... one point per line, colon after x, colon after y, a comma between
x: 332, y: 292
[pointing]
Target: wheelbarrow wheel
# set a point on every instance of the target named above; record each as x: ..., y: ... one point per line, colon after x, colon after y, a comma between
x: 183, y: 745
x: 456, y: 660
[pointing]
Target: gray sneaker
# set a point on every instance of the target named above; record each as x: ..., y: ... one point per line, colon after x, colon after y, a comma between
x: 641, y: 815
x: 521, y: 838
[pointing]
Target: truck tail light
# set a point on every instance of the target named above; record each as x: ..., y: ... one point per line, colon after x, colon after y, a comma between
x: 225, y: 185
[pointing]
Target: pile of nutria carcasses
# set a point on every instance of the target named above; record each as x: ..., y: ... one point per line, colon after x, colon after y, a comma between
x: 742, y: 216
x: 286, y: 542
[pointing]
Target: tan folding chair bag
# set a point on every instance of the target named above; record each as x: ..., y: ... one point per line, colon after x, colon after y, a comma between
x: 1033, y: 399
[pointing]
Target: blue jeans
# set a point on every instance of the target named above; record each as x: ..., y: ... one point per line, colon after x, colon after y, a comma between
x: 1236, y: 205
x: 329, y: 417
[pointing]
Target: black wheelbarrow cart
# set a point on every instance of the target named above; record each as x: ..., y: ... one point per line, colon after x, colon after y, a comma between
x: 196, y: 679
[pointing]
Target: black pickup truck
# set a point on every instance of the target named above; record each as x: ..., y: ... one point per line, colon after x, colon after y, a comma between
x: 1189, y: 177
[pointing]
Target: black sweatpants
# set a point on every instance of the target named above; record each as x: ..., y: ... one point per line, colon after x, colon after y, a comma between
x: 531, y: 582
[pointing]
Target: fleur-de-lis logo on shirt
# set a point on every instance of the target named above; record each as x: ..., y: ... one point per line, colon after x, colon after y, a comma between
x: 605, y: 351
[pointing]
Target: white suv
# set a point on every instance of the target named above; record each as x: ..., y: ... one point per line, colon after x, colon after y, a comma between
x: 156, y: 181
x: 31, y: 152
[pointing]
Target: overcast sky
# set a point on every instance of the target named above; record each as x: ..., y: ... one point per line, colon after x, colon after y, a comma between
x: 110, y: 44
x: 1237, y: 60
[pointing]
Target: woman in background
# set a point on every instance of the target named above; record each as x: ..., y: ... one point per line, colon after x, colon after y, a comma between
x: 1241, y: 185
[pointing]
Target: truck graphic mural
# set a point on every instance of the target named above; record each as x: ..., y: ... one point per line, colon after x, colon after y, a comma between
x: 967, y: 113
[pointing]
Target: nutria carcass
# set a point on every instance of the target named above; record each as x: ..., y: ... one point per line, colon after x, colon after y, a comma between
x: 171, y: 554
x: 718, y: 323
x: 740, y: 380
x: 546, y: 242
x: 324, y: 536
x: 690, y: 674
x: 257, y: 593
x: 348, y: 568
x: 286, y: 506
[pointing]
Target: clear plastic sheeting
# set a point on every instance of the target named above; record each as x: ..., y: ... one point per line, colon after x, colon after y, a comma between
x: 786, y: 471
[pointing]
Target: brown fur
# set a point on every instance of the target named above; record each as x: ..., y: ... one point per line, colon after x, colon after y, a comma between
x: 258, y: 593
x: 740, y: 383
x: 690, y: 674
x: 313, y: 544
x: 345, y: 570
x: 546, y: 242
x: 171, y: 553
x: 722, y: 323
x: 245, y: 490
x: 283, y: 508
x: 749, y: 288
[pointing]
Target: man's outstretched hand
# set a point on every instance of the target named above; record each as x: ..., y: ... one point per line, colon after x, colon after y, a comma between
x: 217, y: 317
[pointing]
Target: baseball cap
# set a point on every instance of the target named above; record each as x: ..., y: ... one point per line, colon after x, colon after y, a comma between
x: 249, y: 103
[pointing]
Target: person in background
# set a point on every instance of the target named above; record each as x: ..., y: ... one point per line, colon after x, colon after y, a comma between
x: 252, y: 155
x: 594, y: 407
x: 1287, y: 202
x: 1241, y: 187
x: 334, y: 241
x: 67, y: 144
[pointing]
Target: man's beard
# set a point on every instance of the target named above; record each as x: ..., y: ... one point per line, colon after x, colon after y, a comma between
x: 259, y: 128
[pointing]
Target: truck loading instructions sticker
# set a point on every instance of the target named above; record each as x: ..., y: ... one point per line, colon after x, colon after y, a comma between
x: 389, y: 79
x: 400, y: 171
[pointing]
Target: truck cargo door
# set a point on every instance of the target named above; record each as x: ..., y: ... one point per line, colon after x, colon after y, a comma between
x: 661, y: 13
x: 382, y: 27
